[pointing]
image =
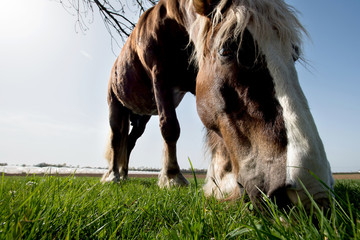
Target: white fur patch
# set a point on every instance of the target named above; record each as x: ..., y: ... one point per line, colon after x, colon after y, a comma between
x: 305, y: 151
x: 217, y: 185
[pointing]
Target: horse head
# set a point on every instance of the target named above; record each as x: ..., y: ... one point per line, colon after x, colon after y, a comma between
x: 261, y: 133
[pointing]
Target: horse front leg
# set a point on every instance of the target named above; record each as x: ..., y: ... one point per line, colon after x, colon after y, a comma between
x: 220, y: 181
x: 170, y: 174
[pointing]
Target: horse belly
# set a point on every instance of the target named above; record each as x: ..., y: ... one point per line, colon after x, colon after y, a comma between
x: 143, y: 102
x: 134, y: 90
x: 138, y: 99
x: 141, y: 108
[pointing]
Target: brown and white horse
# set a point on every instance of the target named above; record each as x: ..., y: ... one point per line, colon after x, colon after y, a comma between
x: 260, y: 130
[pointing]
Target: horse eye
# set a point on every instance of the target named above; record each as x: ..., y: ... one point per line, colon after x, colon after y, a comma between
x: 225, y: 52
x: 296, y: 53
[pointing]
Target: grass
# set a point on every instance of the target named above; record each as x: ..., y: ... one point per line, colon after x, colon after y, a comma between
x: 83, y: 208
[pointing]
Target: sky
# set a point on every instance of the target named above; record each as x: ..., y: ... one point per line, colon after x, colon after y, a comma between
x: 53, y: 85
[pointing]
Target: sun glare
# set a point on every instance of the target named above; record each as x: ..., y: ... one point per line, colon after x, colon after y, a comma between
x: 20, y: 18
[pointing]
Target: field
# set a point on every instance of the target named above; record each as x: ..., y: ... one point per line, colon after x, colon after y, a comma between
x: 351, y: 176
x: 50, y: 207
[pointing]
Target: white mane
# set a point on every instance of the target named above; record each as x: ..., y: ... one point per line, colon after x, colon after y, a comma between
x: 262, y: 17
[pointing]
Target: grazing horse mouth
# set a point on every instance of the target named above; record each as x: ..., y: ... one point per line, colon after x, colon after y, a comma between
x: 289, y: 196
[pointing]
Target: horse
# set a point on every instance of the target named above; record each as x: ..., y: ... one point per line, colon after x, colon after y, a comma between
x: 241, y: 67
x: 150, y: 76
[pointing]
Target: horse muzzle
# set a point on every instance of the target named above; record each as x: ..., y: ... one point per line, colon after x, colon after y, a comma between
x: 289, y: 196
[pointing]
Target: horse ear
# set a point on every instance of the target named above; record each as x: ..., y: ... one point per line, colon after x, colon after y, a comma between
x: 204, y: 7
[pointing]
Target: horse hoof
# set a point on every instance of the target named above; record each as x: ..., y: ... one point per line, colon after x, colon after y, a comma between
x: 111, y: 177
x: 168, y: 182
x: 223, y: 188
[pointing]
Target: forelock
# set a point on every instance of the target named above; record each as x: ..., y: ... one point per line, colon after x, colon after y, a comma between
x: 229, y: 21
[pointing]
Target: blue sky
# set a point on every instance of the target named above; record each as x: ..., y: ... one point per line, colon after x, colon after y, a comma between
x: 53, y: 85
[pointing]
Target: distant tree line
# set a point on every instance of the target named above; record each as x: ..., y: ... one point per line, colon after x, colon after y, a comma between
x: 43, y: 164
x: 147, y: 169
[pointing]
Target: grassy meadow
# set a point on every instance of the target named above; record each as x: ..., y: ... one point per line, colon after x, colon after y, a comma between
x: 82, y: 208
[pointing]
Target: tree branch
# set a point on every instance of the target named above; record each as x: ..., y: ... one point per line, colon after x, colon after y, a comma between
x: 116, y: 15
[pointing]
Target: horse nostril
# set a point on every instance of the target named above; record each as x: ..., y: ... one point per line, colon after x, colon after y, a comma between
x: 322, y: 203
x: 280, y: 197
x: 322, y: 199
